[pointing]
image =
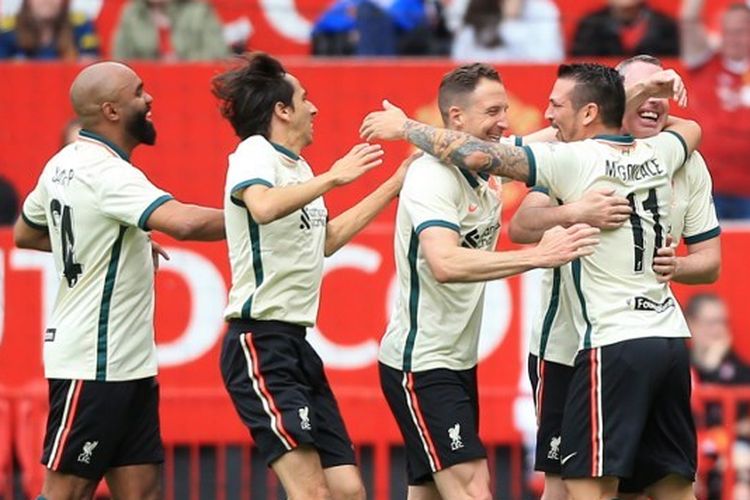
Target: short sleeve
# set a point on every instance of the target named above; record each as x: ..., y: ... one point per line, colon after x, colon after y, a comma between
x: 671, y: 147
x: 701, y: 223
x: 556, y: 168
x: 125, y: 194
x: 33, y: 212
x: 254, y: 163
x: 431, y: 195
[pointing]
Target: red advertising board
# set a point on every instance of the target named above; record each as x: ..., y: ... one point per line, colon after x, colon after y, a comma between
x: 190, y: 159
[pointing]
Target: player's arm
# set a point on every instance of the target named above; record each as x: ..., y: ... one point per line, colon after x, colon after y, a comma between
x: 450, y: 262
x: 267, y: 204
x: 450, y: 146
x: 701, y: 265
x: 597, y: 208
x: 665, y: 84
x: 31, y: 237
x: 187, y: 222
x: 688, y: 130
x: 340, y: 230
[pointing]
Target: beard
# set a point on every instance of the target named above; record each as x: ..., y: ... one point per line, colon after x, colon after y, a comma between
x: 141, y: 129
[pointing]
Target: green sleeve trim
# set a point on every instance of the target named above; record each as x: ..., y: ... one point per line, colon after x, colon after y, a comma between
x: 250, y: 182
x: 704, y: 236
x: 539, y: 189
x: 531, y: 181
x: 682, y: 141
x: 32, y: 224
x: 161, y: 200
x: 436, y: 223
x: 518, y: 141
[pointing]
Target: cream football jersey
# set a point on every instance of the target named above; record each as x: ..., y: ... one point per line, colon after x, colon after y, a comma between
x: 615, y: 293
x: 436, y: 325
x: 693, y: 214
x: 277, y: 267
x: 95, y: 205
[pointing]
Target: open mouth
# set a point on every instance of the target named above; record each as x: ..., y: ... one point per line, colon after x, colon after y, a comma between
x: 651, y: 116
x: 148, y: 116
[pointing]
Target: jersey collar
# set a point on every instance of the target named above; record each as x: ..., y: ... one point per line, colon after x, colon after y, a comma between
x: 109, y: 144
x: 471, y: 179
x: 286, y: 152
x: 618, y: 139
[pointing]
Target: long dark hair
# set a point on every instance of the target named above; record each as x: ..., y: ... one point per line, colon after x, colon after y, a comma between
x: 249, y: 93
x: 29, y: 31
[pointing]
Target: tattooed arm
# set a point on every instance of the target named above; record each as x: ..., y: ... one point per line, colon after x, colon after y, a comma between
x: 458, y: 148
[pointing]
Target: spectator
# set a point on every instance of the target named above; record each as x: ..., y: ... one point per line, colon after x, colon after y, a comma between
x: 47, y: 29
x: 505, y: 30
x: 334, y: 33
x: 169, y: 30
x: 720, y: 84
x: 626, y: 28
x: 715, y: 362
x: 401, y: 27
x: 8, y: 203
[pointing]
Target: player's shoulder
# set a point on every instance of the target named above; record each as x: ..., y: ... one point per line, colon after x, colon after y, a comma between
x: 255, y: 144
x: 428, y: 169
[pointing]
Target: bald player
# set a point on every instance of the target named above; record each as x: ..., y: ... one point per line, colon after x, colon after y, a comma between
x: 94, y: 210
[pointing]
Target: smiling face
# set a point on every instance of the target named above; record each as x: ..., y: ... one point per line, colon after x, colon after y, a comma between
x: 482, y: 113
x: 136, y: 108
x: 649, y: 119
x: 562, y: 113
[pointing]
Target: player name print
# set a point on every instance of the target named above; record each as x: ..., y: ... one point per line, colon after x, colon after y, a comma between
x: 633, y: 171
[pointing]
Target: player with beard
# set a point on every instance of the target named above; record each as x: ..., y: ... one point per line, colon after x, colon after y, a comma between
x: 628, y: 406
x: 447, y: 227
x: 93, y: 210
x: 554, y: 341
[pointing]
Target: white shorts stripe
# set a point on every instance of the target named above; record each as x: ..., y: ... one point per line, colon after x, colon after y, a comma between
x: 263, y: 399
x: 63, y: 421
x: 425, y: 446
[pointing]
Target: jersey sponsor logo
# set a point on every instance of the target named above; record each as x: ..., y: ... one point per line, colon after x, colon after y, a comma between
x: 88, y: 450
x: 49, y: 334
x: 633, y: 171
x: 480, y: 238
x: 304, y: 418
x: 454, y: 433
x: 554, y: 448
x: 568, y: 457
x: 312, y: 217
x: 646, y: 304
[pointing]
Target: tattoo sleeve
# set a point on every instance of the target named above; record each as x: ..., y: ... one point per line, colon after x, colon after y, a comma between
x: 466, y: 151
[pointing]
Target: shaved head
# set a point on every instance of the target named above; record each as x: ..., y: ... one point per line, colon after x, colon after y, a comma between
x: 97, y: 84
x: 109, y: 99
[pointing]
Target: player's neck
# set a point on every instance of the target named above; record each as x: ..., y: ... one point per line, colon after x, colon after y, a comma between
x: 598, y: 130
x: 287, y: 141
x: 121, y: 141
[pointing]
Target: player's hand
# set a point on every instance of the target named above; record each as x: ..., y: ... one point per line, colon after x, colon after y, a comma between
x: 667, y: 84
x: 156, y: 251
x: 559, y: 246
x: 665, y: 261
x: 361, y: 158
x: 601, y: 208
x: 400, y: 173
x: 386, y: 125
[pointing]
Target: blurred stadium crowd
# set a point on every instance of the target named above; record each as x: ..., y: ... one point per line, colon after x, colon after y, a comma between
x: 710, y: 37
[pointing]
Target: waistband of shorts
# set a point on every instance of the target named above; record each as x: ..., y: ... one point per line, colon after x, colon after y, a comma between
x: 266, y: 326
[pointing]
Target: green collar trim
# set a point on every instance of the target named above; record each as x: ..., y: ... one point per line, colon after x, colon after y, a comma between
x: 286, y: 152
x: 111, y: 145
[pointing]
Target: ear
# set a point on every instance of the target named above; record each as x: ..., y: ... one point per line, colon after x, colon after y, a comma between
x: 110, y: 111
x: 590, y: 113
x: 281, y: 111
x: 455, y: 118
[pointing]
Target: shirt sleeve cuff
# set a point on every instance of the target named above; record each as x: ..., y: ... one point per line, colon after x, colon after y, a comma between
x: 436, y: 223
x: 531, y: 181
x: 32, y: 224
x: 143, y: 220
x: 704, y: 236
